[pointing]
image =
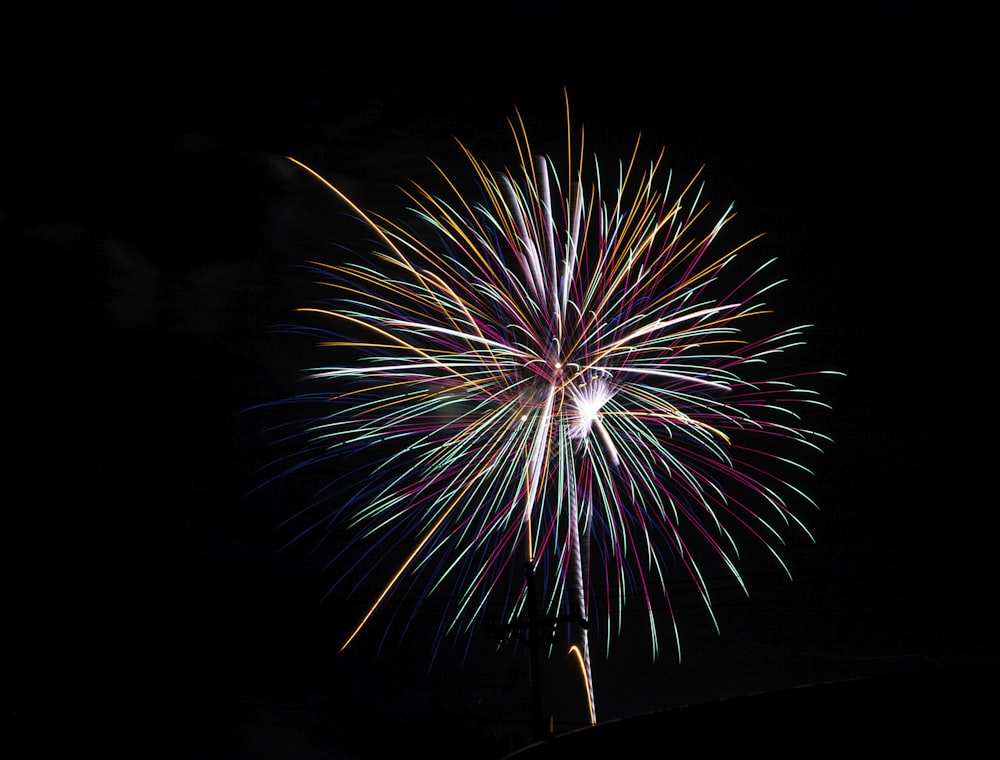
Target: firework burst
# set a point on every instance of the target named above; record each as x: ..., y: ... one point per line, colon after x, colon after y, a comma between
x: 545, y: 374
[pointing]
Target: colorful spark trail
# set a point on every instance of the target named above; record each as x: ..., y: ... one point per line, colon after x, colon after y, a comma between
x: 551, y: 375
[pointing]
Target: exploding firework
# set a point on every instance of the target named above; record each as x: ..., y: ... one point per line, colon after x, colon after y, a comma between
x: 552, y: 375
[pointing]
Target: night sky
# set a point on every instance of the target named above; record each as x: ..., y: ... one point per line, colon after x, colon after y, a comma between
x: 161, y: 234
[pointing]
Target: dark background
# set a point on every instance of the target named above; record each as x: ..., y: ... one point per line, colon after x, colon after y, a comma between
x: 159, y: 233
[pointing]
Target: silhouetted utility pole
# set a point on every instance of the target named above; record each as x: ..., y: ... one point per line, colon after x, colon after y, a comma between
x: 537, y: 632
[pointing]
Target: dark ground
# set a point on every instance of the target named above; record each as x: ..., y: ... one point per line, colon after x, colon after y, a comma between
x: 949, y: 709
x: 159, y: 231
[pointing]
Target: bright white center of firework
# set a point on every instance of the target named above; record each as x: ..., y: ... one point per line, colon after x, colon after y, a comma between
x: 588, y: 398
